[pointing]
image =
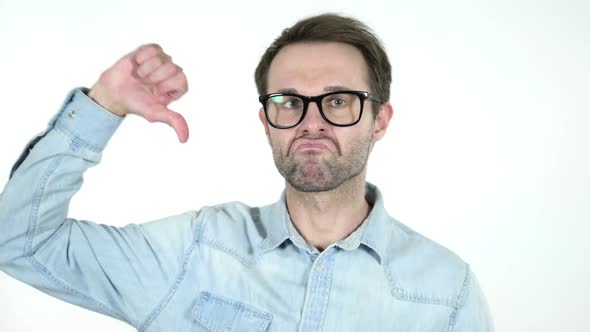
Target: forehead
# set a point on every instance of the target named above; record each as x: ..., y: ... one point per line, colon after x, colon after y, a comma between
x: 311, y: 67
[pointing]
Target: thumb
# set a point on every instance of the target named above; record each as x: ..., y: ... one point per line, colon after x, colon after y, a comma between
x: 173, y: 119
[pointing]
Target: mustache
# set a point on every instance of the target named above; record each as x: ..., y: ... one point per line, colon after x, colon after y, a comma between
x: 315, y: 137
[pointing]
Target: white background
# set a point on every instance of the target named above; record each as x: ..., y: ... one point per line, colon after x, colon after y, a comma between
x: 487, y: 152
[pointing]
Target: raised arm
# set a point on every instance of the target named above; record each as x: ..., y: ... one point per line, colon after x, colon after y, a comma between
x: 129, y: 272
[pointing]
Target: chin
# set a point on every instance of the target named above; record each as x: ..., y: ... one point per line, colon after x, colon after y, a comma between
x: 313, y: 184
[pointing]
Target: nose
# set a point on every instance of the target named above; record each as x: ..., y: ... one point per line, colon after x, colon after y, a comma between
x: 313, y: 121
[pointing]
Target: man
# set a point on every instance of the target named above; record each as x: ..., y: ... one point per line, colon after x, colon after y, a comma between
x: 325, y: 257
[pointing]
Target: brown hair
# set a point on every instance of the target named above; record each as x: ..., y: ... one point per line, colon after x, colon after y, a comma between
x: 333, y: 28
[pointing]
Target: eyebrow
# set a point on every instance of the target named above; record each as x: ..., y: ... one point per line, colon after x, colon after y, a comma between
x: 331, y: 88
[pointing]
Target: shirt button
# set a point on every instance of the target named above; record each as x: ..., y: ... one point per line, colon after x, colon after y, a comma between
x: 72, y: 114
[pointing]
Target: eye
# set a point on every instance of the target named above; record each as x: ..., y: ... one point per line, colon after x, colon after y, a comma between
x: 337, y: 101
x: 292, y: 103
x: 289, y: 102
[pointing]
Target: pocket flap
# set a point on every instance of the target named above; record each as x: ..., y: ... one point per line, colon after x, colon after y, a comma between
x: 223, y: 315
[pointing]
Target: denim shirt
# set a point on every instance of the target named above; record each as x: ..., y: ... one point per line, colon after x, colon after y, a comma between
x: 229, y: 267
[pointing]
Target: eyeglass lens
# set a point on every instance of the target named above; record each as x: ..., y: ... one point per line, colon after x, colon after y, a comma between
x: 341, y: 109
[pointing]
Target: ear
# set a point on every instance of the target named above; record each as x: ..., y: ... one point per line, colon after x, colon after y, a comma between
x: 262, y: 119
x: 382, y: 121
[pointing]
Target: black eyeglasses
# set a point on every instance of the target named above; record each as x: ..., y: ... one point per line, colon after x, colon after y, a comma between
x: 338, y: 108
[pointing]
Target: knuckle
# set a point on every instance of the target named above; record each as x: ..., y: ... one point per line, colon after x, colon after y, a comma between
x: 155, y: 46
x: 164, y: 58
x: 147, y: 50
x: 171, y: 68
x: 183, y: 79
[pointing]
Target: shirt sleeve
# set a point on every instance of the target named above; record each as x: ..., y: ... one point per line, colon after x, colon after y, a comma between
x: 474, y: 313
x: 127, y: 272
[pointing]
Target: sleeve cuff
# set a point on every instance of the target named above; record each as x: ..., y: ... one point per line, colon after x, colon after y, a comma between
x: 86, y: 120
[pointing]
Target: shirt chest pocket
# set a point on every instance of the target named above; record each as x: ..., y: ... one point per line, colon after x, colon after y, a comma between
x: 219, y: 314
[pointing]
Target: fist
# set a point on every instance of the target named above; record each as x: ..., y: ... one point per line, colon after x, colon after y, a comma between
x: 144, y: 82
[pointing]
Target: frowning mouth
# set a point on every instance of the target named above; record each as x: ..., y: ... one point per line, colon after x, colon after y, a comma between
x: 311, y: 144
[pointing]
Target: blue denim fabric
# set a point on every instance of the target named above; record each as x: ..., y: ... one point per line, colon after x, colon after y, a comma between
x: 229, y: 267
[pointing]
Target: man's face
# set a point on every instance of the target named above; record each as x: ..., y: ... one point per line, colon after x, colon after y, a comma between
x: 315, y: 156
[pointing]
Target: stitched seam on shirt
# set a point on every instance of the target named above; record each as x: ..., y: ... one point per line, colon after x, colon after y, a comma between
x: 179, y: 279
x: 371, y: 245
x: 255, y: 311
x: 77, y: 141
x: 160, y: 307
x: 33, y: 229
x: 100, y: 307
x: 327, y: 291
x: 37, y: 196
x: 306, y: 312
x: 216, y: 245
x: 403, y: 295
x: 244, y: 261
x: 460, y: 299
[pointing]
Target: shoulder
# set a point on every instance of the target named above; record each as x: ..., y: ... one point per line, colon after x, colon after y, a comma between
x: 234, y: 228
x: 422, y: 270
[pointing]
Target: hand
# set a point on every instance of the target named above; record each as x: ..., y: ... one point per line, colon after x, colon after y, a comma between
x: 144, y: 82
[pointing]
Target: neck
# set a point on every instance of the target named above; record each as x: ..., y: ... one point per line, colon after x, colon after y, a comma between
x: 323, y: 218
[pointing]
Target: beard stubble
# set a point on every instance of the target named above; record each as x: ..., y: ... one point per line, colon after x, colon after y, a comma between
x: 313, y: 171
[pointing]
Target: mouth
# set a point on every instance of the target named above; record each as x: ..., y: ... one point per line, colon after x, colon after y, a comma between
x: 310, y: 145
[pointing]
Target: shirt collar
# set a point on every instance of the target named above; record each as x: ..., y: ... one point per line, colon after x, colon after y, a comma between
x: 276, y: 225
x: 380, y: 230
x: 375, y: 233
